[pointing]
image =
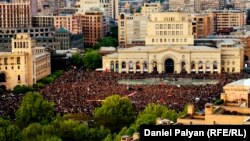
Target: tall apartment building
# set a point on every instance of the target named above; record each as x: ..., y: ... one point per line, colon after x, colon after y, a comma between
x: 203, y: 25
x: 169, y: 28
x: 197, y: 6
x: 65, y: 40
x: 25, y: 64
x: 42, y: 21
x: 110, y: 8
x: 240, y: 4
x: 209, y: 5
x: 70, y: 22
x: 149, y: 8
x: 44, y: 36
x: 94, y: 26
x: 15, y: 14
x: 175, y: 5
x: 83, y: 5
x: 226, y: 19
x: 222, y: 4
x: 132, y: 29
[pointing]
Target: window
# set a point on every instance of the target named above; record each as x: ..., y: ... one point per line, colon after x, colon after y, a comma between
x: 5, y: 61
x: 153, y: 40
x: 177, y: 26
x: 18, y: 60
x: 18, y: 78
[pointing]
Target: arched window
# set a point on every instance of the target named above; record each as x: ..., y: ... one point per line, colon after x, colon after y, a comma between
x: 112, y: 68
x: 200, y: 66
x: 183, y: 66
x: 122, y: 16
x: 207, y: 66
x: 145, y: 66
x: 193, y: 66
x: 130, y: 66
x: 117, y: 66
x: 138, y: 66
x: 155, y: 66
x: 123, y: 66
x: 215, y: 66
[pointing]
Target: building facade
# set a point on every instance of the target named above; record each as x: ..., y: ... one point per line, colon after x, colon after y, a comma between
x: 226, y: 19
x: 42, y: 21
x: 235, y: 106
x: 166, y: 28
x: 197, y: 6
x: 65, y: 40
x: 25, y: 64
x: 70, y: 22
x: 110, y: 8
x: 94, y: 26
x: 176, y: 59
x: 149, y: 8
x: 44, y: 36
x: 203, y: 25
x: 176, y: 5
x: 15, y: 14
x: 131, y: 28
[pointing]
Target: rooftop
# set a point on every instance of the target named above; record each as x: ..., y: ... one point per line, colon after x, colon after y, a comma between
x: 242, y: 82
x: 161, y: 48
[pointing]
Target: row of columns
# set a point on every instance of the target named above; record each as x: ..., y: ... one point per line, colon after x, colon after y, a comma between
x: 160, y: 67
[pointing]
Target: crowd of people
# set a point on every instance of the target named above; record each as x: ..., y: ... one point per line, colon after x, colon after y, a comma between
x: 80, y: 91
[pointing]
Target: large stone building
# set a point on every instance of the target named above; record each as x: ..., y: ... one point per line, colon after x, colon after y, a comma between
x: 203, y: 25
x: 25, y: 64
x: 42, y: 21
x: 175, y: 5
x: 234, y: 111
x: 226, y: 19
x: 149, y: 8
x: 132, y: 29
x: 15, y: 14
x: 68, y: 21
x: 65, y: 40
x: 108, y: 7
x: 94, y: 26
x: 227, y: 57
x: 166, y: 28
x: 162, y: 28
x: 44, y: 36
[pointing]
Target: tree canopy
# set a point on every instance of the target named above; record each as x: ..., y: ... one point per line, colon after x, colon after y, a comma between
x: 153, y: 111
x: 34, y: 109
x: 77, y: 59
x: 115, y: 113
x: 92, y: 60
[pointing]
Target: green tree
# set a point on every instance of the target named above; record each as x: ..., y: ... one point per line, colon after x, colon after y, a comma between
x: 9, y: 132
x: 58, y: 73
x: 153, y: 111
x: 115, y: 113
x: 106, y: 42
x: 22, y: 89
x: 77, y: 59
x: 47, y: 80
x: 138, y: 10
x: 38, y: 85
x: 34, y: 109
x: 92, y: 60
x: 37, y: 132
